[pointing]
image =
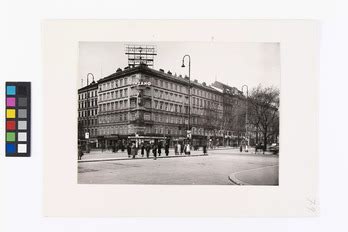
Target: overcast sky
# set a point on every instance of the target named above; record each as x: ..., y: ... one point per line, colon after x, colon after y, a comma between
x: 235, y: 64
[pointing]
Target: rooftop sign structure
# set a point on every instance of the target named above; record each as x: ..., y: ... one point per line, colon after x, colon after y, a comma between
x: 140, y: 54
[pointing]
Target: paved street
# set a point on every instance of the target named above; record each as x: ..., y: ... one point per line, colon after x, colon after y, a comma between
x: 220, y: 167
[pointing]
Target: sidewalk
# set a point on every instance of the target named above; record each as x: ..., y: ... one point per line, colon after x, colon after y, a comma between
x: 108, y: 155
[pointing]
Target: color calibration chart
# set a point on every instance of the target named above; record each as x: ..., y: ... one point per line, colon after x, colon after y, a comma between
x: 18, y: 114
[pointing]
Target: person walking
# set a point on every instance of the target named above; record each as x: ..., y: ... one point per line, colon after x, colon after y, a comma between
x: 129, y: 149
x: 154, y: 151
x: 176, y: 151
x: 147, y: 148
x: 159, y: 148
x: 166, y: 149
x: 205, y: 149
x: 80, y: 153
x: 188, y: 149
x: 180, y: 148
x: 133, y: 150
x: 142, y: 149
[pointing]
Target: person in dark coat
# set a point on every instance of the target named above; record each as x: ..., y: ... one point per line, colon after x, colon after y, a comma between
x: 134, y: 151
x: 159, y: 148
x: 129, y: 150
x: 147, y: 148
x: 205, y: 149
x: 80, y: 153
x: 166, y: 149
x: 182, y: 147
x: 142, y: 149
x: 154, y: 151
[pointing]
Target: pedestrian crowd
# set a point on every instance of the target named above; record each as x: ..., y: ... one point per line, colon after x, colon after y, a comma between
x: 158, y: 149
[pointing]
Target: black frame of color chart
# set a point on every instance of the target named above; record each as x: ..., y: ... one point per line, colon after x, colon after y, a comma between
x: 18, y: 119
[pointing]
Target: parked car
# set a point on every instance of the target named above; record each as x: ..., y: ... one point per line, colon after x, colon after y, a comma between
x: 274, y: 148
x: 259, y: 147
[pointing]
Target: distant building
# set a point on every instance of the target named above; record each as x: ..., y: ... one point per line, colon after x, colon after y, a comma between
x: 234, y: 109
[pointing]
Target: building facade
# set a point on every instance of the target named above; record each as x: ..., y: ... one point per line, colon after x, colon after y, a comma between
x: 234, y: 114
x: 141, y: 103
x: 88, y: 115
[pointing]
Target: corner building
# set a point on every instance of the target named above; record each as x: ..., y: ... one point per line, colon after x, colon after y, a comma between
x: 147, y: 104
x: 141, y: 103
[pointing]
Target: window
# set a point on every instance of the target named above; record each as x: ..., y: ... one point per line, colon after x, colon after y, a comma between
x: 147, y: 116
x: 121, y: 82
x: 125, y: 81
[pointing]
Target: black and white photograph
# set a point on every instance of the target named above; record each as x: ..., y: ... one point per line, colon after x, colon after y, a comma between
x: 178, y: 113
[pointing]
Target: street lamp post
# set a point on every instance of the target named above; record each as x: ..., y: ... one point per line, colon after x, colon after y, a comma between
x: 246, y: 115
x: 189, y: 90
x: 88, y: 108
x: 88, y: 76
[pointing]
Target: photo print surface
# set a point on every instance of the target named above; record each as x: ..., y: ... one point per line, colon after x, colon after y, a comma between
x: 178, y: 113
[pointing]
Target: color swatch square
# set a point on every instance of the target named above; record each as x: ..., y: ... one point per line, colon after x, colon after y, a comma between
x: 22, y: 113
x: 22, y: 90
x: 22, y: 101
x: 22, y: 136
x: 11, y: 101
x: 22, y: 125
x: 10, y: 137
x: 11, y: 90
x: 10, y: 148
x: 11, y: 125
x: 10, y: 113
x: 22, y: 148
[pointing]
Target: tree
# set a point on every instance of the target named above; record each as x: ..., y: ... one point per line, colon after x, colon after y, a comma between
x: 263, y: 111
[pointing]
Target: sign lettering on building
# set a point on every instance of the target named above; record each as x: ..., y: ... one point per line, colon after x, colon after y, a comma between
x: 142, y: 83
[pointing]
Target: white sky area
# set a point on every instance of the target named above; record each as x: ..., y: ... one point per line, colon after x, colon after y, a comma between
x: 235, y: 64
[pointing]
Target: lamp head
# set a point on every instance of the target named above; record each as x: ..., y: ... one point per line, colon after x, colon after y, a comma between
x: 183, y: 65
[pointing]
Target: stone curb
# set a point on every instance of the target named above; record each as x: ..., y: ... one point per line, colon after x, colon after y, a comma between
x: 232, y: 177
x: 139, y: 158
x: 235, y: 180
